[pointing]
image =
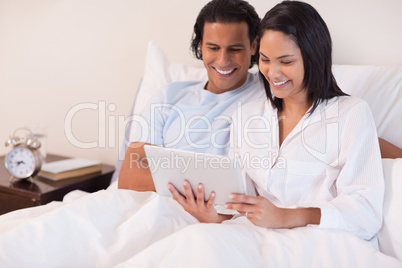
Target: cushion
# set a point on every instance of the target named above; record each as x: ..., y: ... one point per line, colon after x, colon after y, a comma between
x: 159, y: 72
x: 390, y: 235
x: 381, y: 88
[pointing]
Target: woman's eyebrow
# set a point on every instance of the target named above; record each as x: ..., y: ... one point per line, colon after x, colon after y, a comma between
x: 262, y: 54
x: 280, y: 57
x: 284, y: 56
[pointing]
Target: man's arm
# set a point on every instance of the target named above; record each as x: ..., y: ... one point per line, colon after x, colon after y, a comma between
x: 134, y: 172
x: 388, y: 150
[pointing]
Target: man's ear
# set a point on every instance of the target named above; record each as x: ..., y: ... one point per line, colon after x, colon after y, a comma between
x: 200, y: 48
x: 254, y: 47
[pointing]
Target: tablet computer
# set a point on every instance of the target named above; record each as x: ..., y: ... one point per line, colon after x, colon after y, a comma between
x: 220, y: 174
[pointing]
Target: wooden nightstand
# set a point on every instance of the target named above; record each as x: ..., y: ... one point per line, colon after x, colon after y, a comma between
x: 24, y: 193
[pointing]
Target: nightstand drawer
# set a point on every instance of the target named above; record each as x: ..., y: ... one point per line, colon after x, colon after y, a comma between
x: 10, y: 202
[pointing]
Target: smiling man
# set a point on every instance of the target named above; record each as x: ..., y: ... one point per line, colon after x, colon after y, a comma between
x: 226, y: 53
x: 196, y: 116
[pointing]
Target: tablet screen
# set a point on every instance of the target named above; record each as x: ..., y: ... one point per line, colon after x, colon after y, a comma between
x: 220, y: 174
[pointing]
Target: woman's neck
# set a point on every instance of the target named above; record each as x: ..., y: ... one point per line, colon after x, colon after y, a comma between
x: 290, y: 115
x: 295, y: 107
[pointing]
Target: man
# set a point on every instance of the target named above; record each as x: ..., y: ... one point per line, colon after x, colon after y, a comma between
x: 196, y: 116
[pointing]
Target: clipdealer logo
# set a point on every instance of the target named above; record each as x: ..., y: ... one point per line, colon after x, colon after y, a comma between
x: 109, y: 126
x: 116, y: 130
x: 197, y: 131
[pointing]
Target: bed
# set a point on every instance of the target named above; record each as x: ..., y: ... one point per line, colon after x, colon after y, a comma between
x: 122, y: 228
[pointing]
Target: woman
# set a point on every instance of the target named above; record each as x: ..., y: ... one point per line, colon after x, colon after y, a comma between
x: 318, y: 149
x: 326, y: 164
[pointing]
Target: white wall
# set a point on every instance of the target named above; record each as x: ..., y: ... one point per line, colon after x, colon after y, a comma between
x: 60, y: 55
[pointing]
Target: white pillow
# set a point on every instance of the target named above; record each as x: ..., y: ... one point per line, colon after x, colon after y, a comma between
x: 390, y: 235
x: 381, y: 88
x: 159, y: 72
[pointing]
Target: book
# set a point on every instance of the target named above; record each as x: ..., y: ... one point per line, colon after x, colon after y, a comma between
x: 69, y: 168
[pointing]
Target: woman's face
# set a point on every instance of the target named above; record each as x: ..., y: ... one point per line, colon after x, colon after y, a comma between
x: 281, y: 63
x: 226, y: 53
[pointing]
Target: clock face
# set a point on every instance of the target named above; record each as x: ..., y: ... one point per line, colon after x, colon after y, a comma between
x: 21, y: 162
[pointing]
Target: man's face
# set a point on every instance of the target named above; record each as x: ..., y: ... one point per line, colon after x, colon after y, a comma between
x: 226, y: 53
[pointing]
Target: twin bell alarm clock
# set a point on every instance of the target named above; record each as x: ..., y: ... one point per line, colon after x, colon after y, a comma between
x: 24, y: 160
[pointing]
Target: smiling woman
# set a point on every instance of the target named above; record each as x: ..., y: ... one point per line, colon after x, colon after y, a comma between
x: 327, y: 139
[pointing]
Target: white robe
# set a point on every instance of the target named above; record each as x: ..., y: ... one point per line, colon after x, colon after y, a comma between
x: 330, y: 160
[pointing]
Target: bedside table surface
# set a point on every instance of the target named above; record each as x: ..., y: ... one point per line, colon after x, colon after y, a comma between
x: 41, y: 190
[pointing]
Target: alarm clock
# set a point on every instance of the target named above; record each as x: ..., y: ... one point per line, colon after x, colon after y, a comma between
x: 24, y: 160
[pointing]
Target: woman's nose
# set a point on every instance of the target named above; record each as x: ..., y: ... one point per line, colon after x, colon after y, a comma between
x: 274, y: 71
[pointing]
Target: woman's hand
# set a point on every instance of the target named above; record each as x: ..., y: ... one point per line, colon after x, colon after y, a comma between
x: 263, y: 213
x: 197, y: 207
x: 258, y: 210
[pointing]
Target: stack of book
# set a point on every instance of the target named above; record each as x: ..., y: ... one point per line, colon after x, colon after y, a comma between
x: 69, y: 168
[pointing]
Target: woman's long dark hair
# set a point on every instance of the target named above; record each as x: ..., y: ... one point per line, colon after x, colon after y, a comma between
x: 305, y: 26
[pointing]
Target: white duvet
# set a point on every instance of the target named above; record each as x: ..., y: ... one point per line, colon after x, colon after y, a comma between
x: 122, y: 228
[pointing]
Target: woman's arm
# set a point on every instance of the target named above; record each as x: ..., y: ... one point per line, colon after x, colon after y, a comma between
x: 357, y: 206
x: 263, y: 213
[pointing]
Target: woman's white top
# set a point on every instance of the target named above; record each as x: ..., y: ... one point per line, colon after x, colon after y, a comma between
x: 331, y: 160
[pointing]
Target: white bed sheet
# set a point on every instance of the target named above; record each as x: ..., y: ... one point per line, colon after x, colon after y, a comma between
x: 122, y: 228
